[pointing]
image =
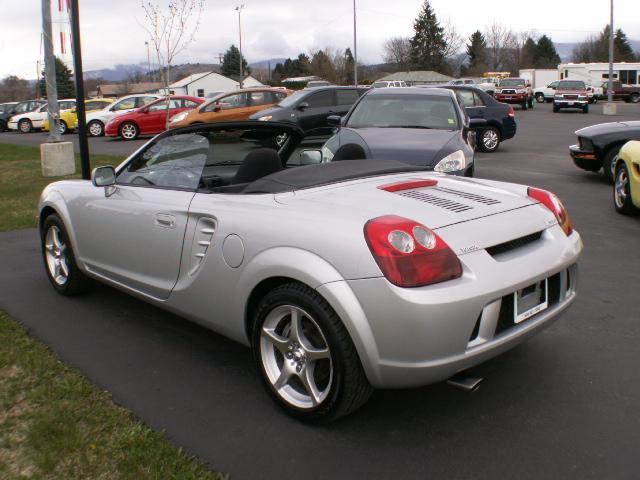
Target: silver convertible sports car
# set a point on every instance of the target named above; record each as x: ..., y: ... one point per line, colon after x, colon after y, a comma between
x: 342, y: 276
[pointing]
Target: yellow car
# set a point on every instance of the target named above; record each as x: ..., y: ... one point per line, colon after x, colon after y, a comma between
x: 69, y: 118
x: 626, y: 189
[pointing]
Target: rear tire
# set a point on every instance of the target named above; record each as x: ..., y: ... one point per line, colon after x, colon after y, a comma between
x: 622, y: 200
x: 489, y: 139
x: 63, y: 127
x: 635, y: 98
x: 59, y: 259
x: 540, y: 98
x: 311, y: 371
x: 95, y: 128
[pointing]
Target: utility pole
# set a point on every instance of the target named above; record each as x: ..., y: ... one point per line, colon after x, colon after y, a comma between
x: 610, y: 108
x: 239, y: 10
x: 610, y: 86
x: 355, y: 47
x: 79, y: 78
x: 50, y: 75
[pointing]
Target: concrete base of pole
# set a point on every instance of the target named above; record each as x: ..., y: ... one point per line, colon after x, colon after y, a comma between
x: 609, y: 108
x: 57, y: 159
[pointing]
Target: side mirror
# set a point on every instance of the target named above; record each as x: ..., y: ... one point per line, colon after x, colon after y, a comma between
x: 310, y: 157
x: 303, y: 106
x: 477, y: 123
x: 103, y: 176
x: 217, y: 108
x: 145, y: 110
x: 334, y: 120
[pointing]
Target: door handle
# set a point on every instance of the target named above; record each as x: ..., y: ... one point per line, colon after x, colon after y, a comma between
x: 165, y: 220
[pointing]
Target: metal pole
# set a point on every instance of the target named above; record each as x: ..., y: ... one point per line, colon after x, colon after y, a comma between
x: 610, y: 83
x: 239, y: 9
x: 78, y: 75
x: 53, y: 112
x: 355, y: 47
x: 149, y: 79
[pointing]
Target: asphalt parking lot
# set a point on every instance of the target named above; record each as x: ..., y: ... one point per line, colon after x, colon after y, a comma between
x: 566, y: 404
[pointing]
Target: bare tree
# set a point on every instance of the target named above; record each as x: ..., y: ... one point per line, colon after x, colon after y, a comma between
x: 397, y: 50
x: 501, y: 43
x: 172, y: 27
x: 453, y: 40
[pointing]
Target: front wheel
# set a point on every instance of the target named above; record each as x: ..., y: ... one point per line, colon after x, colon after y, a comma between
x: 609, y: 163
x: 63, y: 127
x: 129, y: 131
x: 489, y: 139
x: 540, y: 98
x: 305, y: 356
x: 95, y: 128
x: 59, y: 259
x: 635, y: 98
x: 25, y: 126
x: 622, y: 200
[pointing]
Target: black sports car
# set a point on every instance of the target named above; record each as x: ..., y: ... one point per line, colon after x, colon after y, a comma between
x: 598, y: 145
x: 500, y: 117
x: 420, y: 126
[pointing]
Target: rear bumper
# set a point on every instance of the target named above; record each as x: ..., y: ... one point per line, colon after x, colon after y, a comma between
x: 418, y: 336
x: 586, y: 160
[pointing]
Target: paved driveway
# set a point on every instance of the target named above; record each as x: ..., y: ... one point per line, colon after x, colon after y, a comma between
x: 564, y: 405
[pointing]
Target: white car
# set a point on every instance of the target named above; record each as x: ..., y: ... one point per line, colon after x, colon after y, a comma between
x: 545, y: 94
x: 30, y: 121
x: 98, y: 119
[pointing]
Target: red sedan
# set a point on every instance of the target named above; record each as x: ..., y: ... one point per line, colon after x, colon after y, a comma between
x: 150, y: 119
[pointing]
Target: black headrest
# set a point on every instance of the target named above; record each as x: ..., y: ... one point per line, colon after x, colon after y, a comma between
x: 350, y: 151
x: 257, y: 164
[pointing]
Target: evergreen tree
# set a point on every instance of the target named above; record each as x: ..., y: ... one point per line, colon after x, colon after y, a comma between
x: 323, y: 67
x: 623, y: 52
x: 64, y: 83
x: 546, y: 54
x: 529, y: 54
x: 231, y: 63
x: 477, y: 53
x: 349, y: 67
x: 428, y: 45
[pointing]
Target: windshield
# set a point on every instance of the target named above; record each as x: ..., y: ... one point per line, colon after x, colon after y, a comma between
x: 512, y: 82
x: 571, y: 85
x: 291, y: 100
x: 405, y: 111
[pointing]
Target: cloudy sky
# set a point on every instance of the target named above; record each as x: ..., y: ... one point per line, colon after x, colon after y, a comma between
x: 112, y: 31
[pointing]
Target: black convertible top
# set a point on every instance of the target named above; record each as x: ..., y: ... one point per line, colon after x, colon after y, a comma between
x: 327, y: 173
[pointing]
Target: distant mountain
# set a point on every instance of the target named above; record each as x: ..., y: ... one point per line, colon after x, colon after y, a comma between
x: 118, y: 73
x: 264, y: 64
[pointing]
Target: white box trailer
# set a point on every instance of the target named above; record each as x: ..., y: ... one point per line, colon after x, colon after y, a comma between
x: 539, y: 77
x: 597, y: 73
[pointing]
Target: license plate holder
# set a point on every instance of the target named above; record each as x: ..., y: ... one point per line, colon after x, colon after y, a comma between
x: 530, y: 301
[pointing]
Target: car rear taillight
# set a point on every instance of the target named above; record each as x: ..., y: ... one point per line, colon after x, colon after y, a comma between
x: 408, y: 253
x: 554, y: 204
x: 511, y: 112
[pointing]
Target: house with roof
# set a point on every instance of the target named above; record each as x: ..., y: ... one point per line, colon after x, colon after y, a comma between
x: 113, y: 90
x: 209, y: 84
x: 418, y: 77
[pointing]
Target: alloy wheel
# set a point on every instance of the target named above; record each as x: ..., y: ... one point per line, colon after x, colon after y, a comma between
x: 490, y: 139
x: 295, y: 357
x: 95, y: 129
x: 129, y: 131
x: 621, y: 189
x: 24, y: 126
x: 56, y: 255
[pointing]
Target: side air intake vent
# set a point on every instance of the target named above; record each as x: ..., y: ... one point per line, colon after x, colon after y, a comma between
x: 513, y: 244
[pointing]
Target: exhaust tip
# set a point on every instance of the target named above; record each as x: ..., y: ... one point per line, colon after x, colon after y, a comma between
x: 465, y: 382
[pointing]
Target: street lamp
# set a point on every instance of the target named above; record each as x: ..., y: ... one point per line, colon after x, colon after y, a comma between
x: 610, y: 108
x: 149, y: 79
x: 355, y: 47
x: 239, y: 10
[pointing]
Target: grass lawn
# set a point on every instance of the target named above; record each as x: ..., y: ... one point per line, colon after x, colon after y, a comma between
x: 21, y: 182
x: 54, y: 424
